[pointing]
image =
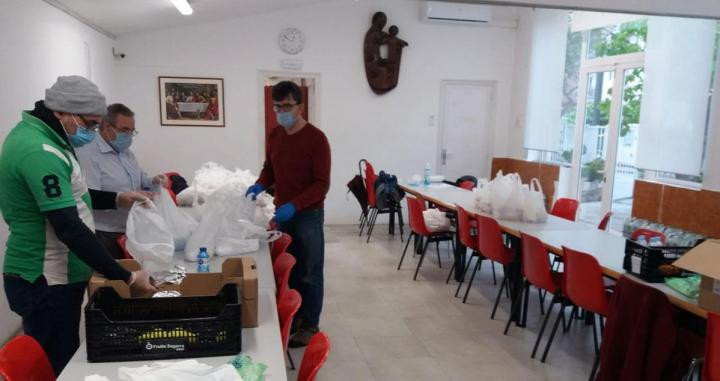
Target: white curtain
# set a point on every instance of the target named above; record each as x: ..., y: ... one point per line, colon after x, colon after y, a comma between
x: 678, y: 60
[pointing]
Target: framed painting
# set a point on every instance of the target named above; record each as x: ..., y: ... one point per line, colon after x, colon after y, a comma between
x: 191, y: 101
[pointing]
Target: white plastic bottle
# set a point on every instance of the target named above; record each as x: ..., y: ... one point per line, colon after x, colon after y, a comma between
x: 427, y: 174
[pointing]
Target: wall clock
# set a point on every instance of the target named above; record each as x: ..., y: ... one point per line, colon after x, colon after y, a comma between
x: 291, y: 40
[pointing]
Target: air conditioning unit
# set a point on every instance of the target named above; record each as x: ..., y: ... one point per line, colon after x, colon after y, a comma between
x: 441, y: 11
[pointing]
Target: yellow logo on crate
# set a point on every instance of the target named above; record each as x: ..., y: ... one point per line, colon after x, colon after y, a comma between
x: 177, y: 333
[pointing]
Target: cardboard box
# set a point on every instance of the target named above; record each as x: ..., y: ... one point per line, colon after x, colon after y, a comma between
x: 704, y: 259
x: 241, y: 271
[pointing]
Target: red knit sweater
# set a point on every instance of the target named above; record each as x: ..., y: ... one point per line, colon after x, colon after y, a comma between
x: 298, y: 166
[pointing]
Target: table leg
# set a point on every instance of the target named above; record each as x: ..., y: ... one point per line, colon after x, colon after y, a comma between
x: 515, y: 280
x: 460, y: 257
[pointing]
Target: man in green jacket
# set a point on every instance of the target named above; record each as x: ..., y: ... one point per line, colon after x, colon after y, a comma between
x: 52, y: 250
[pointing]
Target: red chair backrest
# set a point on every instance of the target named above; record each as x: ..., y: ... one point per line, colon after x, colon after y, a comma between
x: 282, y: 267
x: 584, y: 282
x: 465, y: 228
x: 490, y: 241
x: 467, y: 184
x: 288, y: 305
x: 565, y: 208
x: 316, y: 353
x: 604, y: 222
x: 536, y: 263
x: 711, y: 368
x: 648, y: 234
x: 416, y: 207
x: 280, y: 245
x: 169, y: 185
x: 370, y: 178
x: 122, y: 242
x: 23, y: 359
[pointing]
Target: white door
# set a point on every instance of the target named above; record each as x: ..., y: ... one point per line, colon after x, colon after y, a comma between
x: 466, y: 129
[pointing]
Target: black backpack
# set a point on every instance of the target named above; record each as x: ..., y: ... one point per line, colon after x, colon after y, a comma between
x: 357, y: 186
x: 387, y: 191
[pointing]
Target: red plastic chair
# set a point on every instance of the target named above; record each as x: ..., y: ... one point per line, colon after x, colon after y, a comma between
x: 282, y: 267
x: 490, y: 244
x: 584, y: 288
x: 23, y: 359
x: 122, y: 242
x: 605, y: 220
x: 565, y: 208
x: 416, y: 206
x: 537, y: 272
x: 648, y: 234
x: 288, y: 305
x: 280, y: 245
x: 466, y: 223
x: 467, y: 184
x: 168, y: 186
x: 711, y: 369
x: 316, y: 354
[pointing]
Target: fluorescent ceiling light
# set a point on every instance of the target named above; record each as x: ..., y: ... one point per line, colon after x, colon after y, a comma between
x: 183, y: 7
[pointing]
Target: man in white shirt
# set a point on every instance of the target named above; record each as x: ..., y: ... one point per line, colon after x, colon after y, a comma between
x: 109, y: 165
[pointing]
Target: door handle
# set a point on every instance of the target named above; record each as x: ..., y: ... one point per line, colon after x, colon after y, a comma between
x: 443, y: 156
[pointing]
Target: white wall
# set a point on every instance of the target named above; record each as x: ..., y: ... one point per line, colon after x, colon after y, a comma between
x: 39, y: 43
x: 391, y: 131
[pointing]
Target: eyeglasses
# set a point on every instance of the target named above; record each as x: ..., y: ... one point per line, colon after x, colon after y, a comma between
x: 132, y: 133
x: 285, y: 107
x: 90, y: 125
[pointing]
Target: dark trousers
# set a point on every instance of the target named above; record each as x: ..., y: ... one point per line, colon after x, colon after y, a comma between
x: 50, y: 314
x: 109, y: 241
x: 308, y: 248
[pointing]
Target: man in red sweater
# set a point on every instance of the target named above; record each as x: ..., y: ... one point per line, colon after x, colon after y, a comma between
x: 297, y: 165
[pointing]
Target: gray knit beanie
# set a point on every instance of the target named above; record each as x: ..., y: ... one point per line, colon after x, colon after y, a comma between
x: 76, y: 95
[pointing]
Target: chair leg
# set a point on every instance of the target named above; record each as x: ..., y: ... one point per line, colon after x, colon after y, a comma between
x: 422, y: 256
x: 465, y: 270
x: 292, y: 363
x: 447, y: 281
x: 525, y: 305
x: 467, y: 291
x: 552, y: 334
x: 553, y: 301
x: 503, y: 284
x: 595, y: 336
x: 515, y: 306
x: 437, y: 249
x: 492, y: 265
x: 541, y: 296
x: 573, y: 312
x: 400, y: 221
x: 371, y: 227
x: 594, y: 368
x: 364, y: 221
x: 405, y: 251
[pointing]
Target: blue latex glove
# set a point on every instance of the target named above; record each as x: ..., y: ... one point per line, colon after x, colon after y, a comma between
x: 254, y: 190
x: 284, y: 212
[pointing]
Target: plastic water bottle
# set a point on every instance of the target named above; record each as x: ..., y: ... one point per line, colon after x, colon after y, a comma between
x: 655, y: 241
x: 641, y: 239
x: 203, y: 260
x: 427, y: 174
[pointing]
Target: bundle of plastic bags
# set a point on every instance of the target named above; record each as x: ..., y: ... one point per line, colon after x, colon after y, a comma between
x: 507, y: 198
x: 436, y: 220
x: 180, y: 370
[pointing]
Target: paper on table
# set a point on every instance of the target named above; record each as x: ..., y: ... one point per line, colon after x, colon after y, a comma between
x: 186, y: 370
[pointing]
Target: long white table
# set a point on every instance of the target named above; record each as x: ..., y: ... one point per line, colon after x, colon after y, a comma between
x: 609, y: 249
x: 262, y: 343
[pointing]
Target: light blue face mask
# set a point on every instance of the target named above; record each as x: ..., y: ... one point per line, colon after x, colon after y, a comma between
x: 286, y: 119
x: 81, y: 136
x: 122, y: 141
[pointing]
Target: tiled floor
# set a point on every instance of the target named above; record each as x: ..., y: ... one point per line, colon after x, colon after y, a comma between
x: 385, y: 326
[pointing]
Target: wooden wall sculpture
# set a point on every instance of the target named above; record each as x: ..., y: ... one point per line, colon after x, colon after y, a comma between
x: 382, y: 73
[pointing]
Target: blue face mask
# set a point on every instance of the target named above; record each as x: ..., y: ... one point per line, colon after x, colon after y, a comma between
x: 81, y: 136
x: 122, y: 141
x: 286, y: 119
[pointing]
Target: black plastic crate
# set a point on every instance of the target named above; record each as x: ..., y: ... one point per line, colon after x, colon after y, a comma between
x: 649, y: 258
x: 120, y: 329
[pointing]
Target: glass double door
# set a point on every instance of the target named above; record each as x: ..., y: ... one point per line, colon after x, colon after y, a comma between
x: 606, y: 140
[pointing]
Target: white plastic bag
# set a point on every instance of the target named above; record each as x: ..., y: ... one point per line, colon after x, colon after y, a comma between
x: 506, y: 197
x: 436, y: 221
x: 148, y: 237
x: 482, y: 196
x: 534, y: 203
x: 181, y: 225
x: 179, y: 370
